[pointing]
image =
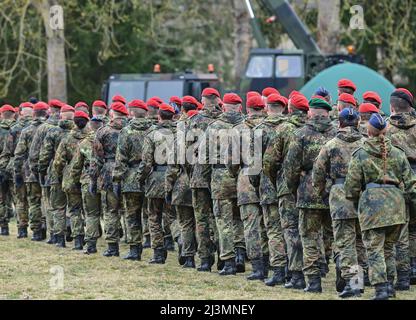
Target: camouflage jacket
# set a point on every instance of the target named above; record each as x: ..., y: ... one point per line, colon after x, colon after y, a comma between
x: 129, y: 154
x: 36, y: 146
x: 158, y: 152
x: 380, y: 206
x: 247, y: 175
x: 9, y: 145
x: 21, y: 153
x: 49, y: 148
x: 78, y: 171
x: 5, y: 126
x: 64, y: 155
x: 402, y: 133
x: 330, y: 169
x: 198, y: 125
x: 104, y: 155
x: 217, y: 137
x: 270, y: 127
x: 277, y: 148
x: 302, y: 153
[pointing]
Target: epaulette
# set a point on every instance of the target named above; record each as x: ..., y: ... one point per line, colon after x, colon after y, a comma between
x: 356, y: 150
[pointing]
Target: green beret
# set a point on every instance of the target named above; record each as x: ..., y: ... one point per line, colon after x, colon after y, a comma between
x: 317, y: 103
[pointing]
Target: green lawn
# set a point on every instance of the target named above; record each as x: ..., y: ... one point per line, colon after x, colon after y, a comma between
x: 25, y: 274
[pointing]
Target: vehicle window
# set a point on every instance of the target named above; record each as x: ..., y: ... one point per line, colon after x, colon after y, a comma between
x: 260, y: 67
x: 164, y: 89
x: 128, y: 89
x: 289, y: 66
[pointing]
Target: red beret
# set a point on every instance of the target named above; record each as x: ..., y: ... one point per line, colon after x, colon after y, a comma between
x: 252, y: 94
x: 166, y: 107
x: 55, y: 103
x: 7, y: 107
x: 299, y: 101
x: 120, y: 108
x: 405, y: 91
x: 40, y: 106
x: 100, y: 104
x: 348, y: 98
x: 293, y: 93
x: 81, y: 104
x: 138, y: 104
x: 200, y: 106
x: 232, y: 98
x: 176, y: 100
x: 189, y: 99
x: 67, y: 108
x: 255, y: 102
x: 210, y: 92
x: 119, y: 98
x: 268, y: 91
x: 81, y: 114
x: 153, y: 103
x: 276, y: 98
x: 345, y: 83
x: 368, y: 108
x: 371, y: 95
x: 317, y: 97
x: 16, y: 110
x: 192, y: 113
x: 159, y: 100
x: 26, y: 105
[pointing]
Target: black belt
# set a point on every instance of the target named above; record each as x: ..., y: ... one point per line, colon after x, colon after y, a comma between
x: 219, y: 166
x: 339, y: 181
x: 160, y: 168
x: 377, y: 185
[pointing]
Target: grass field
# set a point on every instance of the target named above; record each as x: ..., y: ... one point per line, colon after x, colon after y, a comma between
x: 25, y: 274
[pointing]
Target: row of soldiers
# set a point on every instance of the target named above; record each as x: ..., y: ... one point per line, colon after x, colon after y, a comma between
x: 289, y: 211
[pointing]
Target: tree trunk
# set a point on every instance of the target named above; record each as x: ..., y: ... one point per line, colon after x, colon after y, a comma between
x: 328, y: 25
x: 55, y: 50
x: 242, y: 38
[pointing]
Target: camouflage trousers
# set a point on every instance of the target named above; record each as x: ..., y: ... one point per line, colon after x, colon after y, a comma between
x: 348, y: 240
x: 74, y: 208
x: 58, y: 208
x: 155, y: 211
x: 22, y: 206
x: 91, y: 205
x: 230, y: 227
x: 6, y: 204
x: 251, y: 217
x: 311, y: 224
x: 170, y: 223
x: 204, y: 221
x: 186, y: 219
x: 289, y: 216
x: 34, y: 199
x: 276, y: 242
x: 412, y: 235
x: 145, y: 216
x: 111, y: 216
x: 46, y: 207
x: 379, y: 244
x: 133, y: 204
x: 403, y: 247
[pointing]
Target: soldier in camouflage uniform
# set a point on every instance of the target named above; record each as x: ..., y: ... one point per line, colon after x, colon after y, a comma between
x: 402, y: 132
x: 314, y: 213
x: 374, y: 98
x: 7, y: 167
x: 247, y: 172
x: 99, y: 111
x: 128, y: 159
x: 224, y: 186
x: 79, y: 176
x: 276, y: 110
x: 23, y: 174
x: 378, y: 180
x: 273, y: 159
x: 332, y: 162
x: 101, y: 170
x: 201, y: 195
x: 35, y: 147
x: 177, y: 186
x: 366, y: 110
x: 157, y: 154
x: 50, y: 178
x: 61, y: 167
x: 6, y: 122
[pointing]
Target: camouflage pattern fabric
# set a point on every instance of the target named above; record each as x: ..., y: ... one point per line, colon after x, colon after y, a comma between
x: 276, y: 243
x: 133, y: 203
x: 186, y: 221
x: 91, y: 205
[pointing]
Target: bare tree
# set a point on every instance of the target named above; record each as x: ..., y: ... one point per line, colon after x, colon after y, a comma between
x: 329, y: 26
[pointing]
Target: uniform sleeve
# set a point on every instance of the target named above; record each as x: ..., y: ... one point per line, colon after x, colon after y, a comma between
x: 171, y: 176
x: 97, y: 158
x: 353, y: 180
x: 147, y: 160
x: 409, y: 179
x: 20, y: 154
x: 34, y: 154
x: 7, y: 152
x: 76, y: 168
x: 272, y: 158
x: 122, y: 157
x: 292, y: 165
x: 320, y: 173
x: 60, y: 160
x: 46, y: 153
